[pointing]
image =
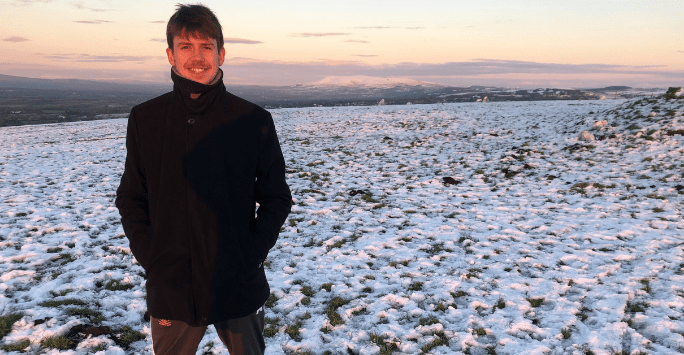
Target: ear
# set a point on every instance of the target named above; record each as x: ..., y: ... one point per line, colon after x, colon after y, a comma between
x: 222, y: 55
x: 169, y: 53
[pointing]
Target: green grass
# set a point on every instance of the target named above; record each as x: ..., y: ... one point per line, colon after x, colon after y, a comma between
x: 7, y: 322
x: 17, y: 346
x: 60, y: 342
x: 326, y: 286
x: 65, y: 302
x: 116, y: 285
x: 127, y: 335
x: 566, y: 333
x: 331, y: 311
x: 535, y: 302
x: 479, y: 331
x: 441, y: 340
x: 272, y: 329
x: 385, y: 347
x: 428, y: 321
x: 293, y: 330
x: 416, y: 286
x: 95, y: 316
x: 271, y: 301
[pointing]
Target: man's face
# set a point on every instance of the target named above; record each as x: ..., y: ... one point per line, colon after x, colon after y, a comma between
x: 196, y: 58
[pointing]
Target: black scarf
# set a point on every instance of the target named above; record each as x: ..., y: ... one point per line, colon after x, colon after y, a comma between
x: 184, y: 87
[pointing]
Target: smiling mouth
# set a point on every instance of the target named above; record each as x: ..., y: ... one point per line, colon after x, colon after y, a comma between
x: 198, y: 70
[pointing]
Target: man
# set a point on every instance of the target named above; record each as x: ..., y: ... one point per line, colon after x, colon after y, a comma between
x: 198, y: 160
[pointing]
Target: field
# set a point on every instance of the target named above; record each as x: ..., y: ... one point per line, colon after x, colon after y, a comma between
x: 478, y: 228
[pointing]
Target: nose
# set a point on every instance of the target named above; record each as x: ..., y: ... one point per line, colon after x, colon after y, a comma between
x: 197, y: 54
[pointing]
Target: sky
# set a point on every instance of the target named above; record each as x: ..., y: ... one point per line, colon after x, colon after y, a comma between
x: 525, y: 43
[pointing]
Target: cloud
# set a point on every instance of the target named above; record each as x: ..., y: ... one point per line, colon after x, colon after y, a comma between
x: 365, y: 55
x: 27, y: 2
x: 158, y: 40
x: 81, y: 5
x: 373, y: 27
x: 240, y: 41
x: 385, y: 28
x: 319, y: 34
x: 93, y: 22
x: 473, y: 72
x: 356, y: 41
x: 157, y: 21
x: 87, y: 58
x: 16, y: 39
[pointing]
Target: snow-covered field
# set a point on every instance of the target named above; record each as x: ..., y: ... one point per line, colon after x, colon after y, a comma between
x: 541, y: 244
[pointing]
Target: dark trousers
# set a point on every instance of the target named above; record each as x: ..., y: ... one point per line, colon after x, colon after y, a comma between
x: 242, y: 336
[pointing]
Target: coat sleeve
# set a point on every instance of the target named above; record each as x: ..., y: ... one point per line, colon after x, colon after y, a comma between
x: 271, y: 190
x: 132, y: 199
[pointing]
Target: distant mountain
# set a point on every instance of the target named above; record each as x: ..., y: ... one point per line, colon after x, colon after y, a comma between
x: 18, y: 82
x: 370, y: 82
x: 33, y: 101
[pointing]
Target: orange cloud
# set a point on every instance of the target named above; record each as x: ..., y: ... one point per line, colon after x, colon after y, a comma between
x: 16, y: 39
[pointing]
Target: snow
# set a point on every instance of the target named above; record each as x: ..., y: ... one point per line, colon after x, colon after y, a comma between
x: 370, y: 81
x: 541, y: 237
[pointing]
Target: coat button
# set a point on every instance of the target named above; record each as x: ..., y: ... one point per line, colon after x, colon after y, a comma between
x: 191, y: 121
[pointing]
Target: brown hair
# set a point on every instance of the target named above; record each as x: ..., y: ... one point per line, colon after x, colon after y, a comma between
x: 196, y: 20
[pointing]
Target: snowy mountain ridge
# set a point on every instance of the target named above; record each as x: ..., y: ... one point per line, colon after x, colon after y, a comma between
x: 371, y: 81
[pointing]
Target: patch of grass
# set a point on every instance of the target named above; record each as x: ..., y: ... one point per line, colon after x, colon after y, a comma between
x: 271, y: 301
x: 368, y: 197
x: 331, y: 311
x: 635, y: 308
x: 116, y: 285
x: 583, y: 313
x: 66, y: 302
x: 95, y: 316
x: 416, y: 286
x: 20, y: 346
x: 385, y: 347
x: 479, y: 331
x: 60, y: 342
x: 293, y: 330
x: 428, y: 321
x: 535, y: 302
x: 337, y: 244
x: 501, y: 304
x: 566, y: 333
x: 306, y: 301
x: 126, y: 335
x: 441, y: 340
x: 66, y: 258
x: 7, y: 322
x: 54, y: 250
x: 272, y: 328
x: 458, y: 294
x: 326, y: 286
x: 307, y: 291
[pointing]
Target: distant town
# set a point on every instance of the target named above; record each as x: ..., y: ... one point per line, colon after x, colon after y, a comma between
x: 38, y: 101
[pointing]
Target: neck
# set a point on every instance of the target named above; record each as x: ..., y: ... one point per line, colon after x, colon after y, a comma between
x: 212, y: 82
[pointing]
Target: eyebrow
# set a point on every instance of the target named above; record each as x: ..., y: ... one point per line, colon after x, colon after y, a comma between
x: 190, y: 43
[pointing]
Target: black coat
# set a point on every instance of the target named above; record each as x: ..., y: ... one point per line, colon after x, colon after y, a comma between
x: 187, y: 203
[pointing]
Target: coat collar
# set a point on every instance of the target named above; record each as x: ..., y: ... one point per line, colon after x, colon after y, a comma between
x: 184, y: 87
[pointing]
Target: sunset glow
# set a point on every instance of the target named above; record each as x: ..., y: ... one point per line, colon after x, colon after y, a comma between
x: 525, y: 43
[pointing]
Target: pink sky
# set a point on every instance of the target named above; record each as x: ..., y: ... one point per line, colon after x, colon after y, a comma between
x: 523, y: 44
